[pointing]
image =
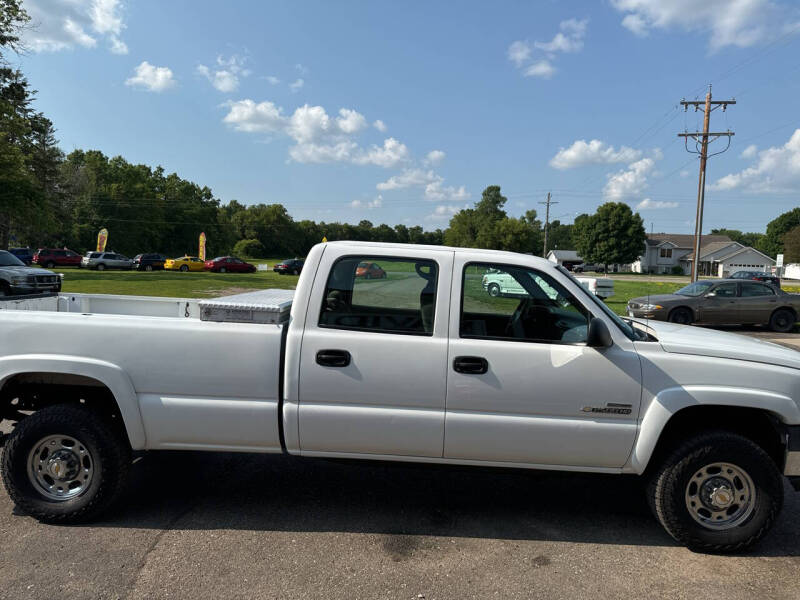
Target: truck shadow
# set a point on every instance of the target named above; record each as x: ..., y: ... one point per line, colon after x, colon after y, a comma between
x: 208, y: 491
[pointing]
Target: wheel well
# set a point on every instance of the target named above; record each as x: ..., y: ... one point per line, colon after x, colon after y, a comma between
x: 759, y: 426
x: 25, y: 393
x: 684, y: 307
x: 789, y: 308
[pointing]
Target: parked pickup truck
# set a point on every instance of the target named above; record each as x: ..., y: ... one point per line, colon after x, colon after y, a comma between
x: 422, y: 365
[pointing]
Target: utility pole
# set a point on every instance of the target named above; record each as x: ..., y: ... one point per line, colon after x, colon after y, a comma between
x: 548, y: 202
x: 701, y: 147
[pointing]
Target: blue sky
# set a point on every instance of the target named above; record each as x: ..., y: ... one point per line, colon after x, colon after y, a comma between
x: 404, y: 111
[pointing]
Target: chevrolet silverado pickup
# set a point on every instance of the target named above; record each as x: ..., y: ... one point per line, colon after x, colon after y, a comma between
x: 421, y: 365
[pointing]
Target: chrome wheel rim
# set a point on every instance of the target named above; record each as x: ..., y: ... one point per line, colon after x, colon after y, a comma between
x: 720, y: 496
x: 60, y: 467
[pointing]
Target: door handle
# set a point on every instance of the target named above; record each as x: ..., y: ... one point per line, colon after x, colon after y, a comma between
x: 470, y: 365
x: 333, y: 358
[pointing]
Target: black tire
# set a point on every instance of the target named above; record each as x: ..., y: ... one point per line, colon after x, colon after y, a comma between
x: 494, y: 290
x: 668, y: 491
x: 184, y: 268
x: 681, y: 316
x: 49, y: 264
x: 295, y: 272
x: 101, y: 267
x: 148, y: 268
x: 782, y: 320
x: 109, y: 453
x: 223, y: 270
x: 4, y: 291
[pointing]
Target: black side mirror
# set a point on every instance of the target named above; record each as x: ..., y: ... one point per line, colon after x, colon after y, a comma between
x: 598, y: 336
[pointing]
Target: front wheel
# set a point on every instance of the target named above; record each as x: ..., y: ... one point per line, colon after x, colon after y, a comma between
x: 494, y: 290
x: 681, y: 316
x: 717, y: 492
x: 782, y: 320
x: 65, y: 464
x: 223, y: 270
x: 50, y: 264
x: 101, y: 267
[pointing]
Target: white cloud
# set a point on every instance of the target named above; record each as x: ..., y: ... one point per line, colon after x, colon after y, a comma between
x: 750, y: 151
x: 542, y: 68
x: 65, y: 24
x: 777, y: 170
x: 443, y: 212
x: 593, y: 152
x: 151, y: 78
x: 379, y: 125
x: 434, y: 157
x: 272, y: 79
x: 297, y: 85
x: 519, y: 52
x: 648, y: 204
x: 430, y: 181
x: 728, y: 22
x: 225, y: 76
x: 370, y: 204
x: 569, y: 39
x: 318, y: 137
x: 302, y: 69
x: 629, y: 182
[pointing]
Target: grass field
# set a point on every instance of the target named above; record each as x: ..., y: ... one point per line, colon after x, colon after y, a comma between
x: 204, y: 285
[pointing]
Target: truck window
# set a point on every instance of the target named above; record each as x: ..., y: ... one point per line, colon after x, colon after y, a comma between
x: 519, y: 304
x: 401, y: 301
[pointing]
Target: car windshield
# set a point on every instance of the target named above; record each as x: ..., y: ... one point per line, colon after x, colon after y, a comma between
x: 698, y: 288
x: 9, y: 260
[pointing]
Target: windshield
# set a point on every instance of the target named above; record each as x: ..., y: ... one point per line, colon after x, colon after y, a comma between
x: 9, y: 260
x: 698, y: 288
x: 626, y: 328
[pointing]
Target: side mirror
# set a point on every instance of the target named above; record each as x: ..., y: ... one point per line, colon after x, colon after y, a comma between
x: 711, y: 295
x: 598, y: 336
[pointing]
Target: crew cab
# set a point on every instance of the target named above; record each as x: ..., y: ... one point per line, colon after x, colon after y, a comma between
x: 425, y: 367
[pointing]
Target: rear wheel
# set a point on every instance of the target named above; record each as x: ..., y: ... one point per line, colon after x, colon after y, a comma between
x: 65, y: 464
x: 50, y: 264
x: 295, y: 272
x: 101, y: 267
x: 148, y: 268
x: 718, y: 492
x: 782, y: 320
x: 223, y: 270
x: 184, y: 268
x: 682, y: 316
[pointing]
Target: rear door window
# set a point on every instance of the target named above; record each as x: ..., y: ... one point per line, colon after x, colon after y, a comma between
x: 750, y: 290
x: 403, y: 302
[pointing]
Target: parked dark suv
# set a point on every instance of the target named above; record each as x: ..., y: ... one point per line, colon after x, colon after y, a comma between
x: 758, y: 276
x: 16, y: 279
x: 149, y: 262
x: 24, y: 254
x: 51, y: 257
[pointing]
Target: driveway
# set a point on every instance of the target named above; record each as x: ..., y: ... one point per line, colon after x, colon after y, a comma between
x: 255, y: 526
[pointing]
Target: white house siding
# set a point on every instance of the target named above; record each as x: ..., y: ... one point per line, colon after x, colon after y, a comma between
x: 749, y: 260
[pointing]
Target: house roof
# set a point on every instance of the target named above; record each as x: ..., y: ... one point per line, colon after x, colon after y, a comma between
x: 745, y: 249
x: 684, y: 240
x: 707, y: 249
x: 569, y: 255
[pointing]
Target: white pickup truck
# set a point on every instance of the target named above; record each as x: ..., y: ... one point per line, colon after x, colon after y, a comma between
x: 421, y: 365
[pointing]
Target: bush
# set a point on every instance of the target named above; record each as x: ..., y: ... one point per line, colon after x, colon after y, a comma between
x: 249, y: 249
x: 677, y: 270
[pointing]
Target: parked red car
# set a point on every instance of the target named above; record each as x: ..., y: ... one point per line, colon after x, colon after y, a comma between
x: 370, y: 270
x: 229, y: 264
x: 52, y: 257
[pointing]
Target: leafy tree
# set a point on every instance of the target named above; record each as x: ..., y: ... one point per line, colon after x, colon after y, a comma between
x: 249, y: 249
x: 791, y: 245
x: 613, y: 235
x: 12, y: 19
x: 772, y: 243
x: 748, y: 239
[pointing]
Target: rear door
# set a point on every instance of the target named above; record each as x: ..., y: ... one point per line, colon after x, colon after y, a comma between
x: 722, y: 306
x: 373, y: 361
x: 756, y: 302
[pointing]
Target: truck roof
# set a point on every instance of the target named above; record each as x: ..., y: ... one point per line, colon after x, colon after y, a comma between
x: 500, y: 254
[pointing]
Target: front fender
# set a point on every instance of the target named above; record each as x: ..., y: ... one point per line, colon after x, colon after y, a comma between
x: 670, y: 401
x: 109, y: 374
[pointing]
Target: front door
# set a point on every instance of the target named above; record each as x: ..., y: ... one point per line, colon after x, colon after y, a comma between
x: 373, y: 360
x: 523, y: 386
x: 720, y: 304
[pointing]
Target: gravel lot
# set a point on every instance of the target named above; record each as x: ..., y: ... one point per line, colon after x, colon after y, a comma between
x: 199, y: 525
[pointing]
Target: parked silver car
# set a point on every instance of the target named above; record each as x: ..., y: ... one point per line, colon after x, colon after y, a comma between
x: 106, y: 260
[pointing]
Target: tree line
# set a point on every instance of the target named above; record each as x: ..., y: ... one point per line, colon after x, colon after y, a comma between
x: 49, y: 199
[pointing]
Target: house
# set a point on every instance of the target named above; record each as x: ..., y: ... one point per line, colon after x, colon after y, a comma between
x: 565, y: 258
x: 719, y: 255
